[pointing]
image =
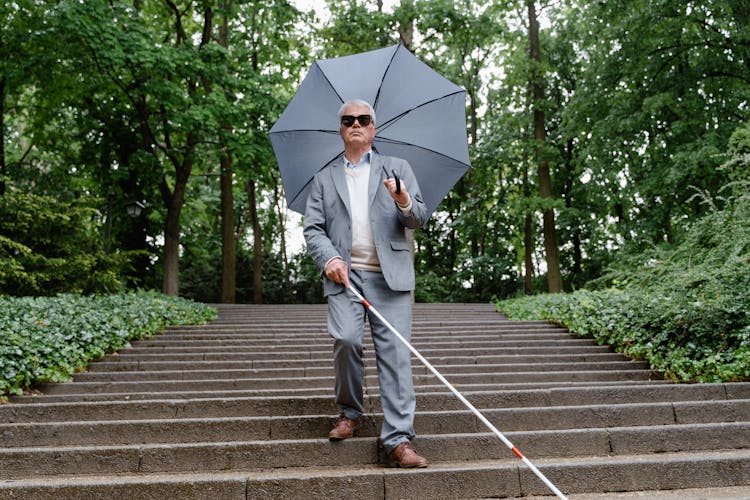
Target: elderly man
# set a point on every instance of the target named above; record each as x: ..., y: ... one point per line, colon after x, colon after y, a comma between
x: 354, y: 226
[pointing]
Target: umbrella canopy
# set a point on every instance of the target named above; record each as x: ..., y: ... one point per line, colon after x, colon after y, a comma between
x: 421, y: 117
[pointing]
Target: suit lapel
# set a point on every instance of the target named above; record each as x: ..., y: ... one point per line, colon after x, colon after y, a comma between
x: 339, y: 181
x: 376, y: 176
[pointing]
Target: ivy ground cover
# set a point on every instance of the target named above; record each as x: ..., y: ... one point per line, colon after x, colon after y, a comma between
x: 48, y: 339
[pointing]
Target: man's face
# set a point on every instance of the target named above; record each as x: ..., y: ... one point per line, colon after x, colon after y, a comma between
x: 357, y: 135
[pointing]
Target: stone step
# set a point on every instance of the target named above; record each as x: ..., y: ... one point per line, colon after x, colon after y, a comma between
x: 323, y: 405
x: 284, y: 331
x: 493, y: 340
x: 462, y: 479
x: 201, y: 354
x: 220, y: 429
x: 241, y: 408
x: 454, y: 373
x: 584, y: 353
x: 271, y: 454
x: 725, y: 493
x: 171, y: 389
x: 498, y: 364
x: 322, y: 343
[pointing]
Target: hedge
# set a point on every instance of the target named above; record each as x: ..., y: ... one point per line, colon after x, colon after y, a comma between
x: 48, y: 339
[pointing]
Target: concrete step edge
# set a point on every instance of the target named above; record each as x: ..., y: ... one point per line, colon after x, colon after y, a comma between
x: 297, y: 426
x: 497, y: 366
x: 192, y: 353
x: 284, y: 405
x: 93, y: 391
x: 189, y: 457
x: 477, y: 479
x: 315, y: 371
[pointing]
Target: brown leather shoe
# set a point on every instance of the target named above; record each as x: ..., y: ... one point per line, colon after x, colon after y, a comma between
x: 343, y: 429
x: 404, y: 456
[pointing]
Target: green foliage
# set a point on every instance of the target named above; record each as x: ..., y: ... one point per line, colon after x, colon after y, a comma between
x: 738, y: 166
x: 48, y: 247
x: 663, y: 87
x: 306, y: 281
x: 49, y: 339
x: 356, y: 27
x: 684, y: 308
x: 130, y: 98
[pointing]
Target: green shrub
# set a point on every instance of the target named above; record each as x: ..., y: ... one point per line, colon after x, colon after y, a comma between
x: 685, y: 309
x: 47, y: 339
x: 687, y: 341
x: 49, y: 247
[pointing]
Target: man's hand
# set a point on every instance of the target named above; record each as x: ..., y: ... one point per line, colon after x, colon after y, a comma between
x: 403, y: 198
x: 337, y: 271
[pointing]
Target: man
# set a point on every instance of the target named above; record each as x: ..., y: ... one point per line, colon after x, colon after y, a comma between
x: 354, y: 227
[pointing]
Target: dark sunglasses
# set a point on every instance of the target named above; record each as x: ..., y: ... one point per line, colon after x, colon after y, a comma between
x: 348, y: 120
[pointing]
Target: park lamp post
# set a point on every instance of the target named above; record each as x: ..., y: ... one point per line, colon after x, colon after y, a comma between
x: 133, y: 208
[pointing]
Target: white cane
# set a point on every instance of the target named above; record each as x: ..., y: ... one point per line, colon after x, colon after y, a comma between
x: 460, y: 396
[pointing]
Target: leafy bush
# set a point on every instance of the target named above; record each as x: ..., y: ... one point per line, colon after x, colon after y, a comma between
x: 685, y: 309
x: 49, y: 339
x: 49, y: 247
x: 687, y: 341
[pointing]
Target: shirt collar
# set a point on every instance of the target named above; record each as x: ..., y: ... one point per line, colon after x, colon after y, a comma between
x: 365, y: 160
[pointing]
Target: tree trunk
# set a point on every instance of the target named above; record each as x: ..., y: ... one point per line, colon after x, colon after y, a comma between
x: 554, y: 278
x: 528, y: 240
x: 182, y: 162
x: 250, y: 187
x: 3, y: 169
x: 174, y: 201
x: 568, y: 195
x: 406, y: 25
x: 282, y: 233
x: 228, y: 241
x: 257, y: 245
x: 528, y: 236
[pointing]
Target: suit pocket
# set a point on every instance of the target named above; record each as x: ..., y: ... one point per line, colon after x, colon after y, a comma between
x: 400, y: 245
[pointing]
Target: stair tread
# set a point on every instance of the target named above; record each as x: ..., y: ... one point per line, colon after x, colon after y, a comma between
x: 365, y: 469
x: 170, y: 407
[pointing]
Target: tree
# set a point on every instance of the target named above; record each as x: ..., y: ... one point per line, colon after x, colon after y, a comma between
x: 459, y: 39
x: 268, y: 39
x: 664, y: 85
x: 153, y: 67
x: 188, y: 85
x: 226, y: 161
x: 536, y: 84
x: 26, y: 57
x: 609, y: 119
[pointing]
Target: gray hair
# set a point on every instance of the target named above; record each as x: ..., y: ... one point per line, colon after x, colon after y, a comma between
x: 358, y: 102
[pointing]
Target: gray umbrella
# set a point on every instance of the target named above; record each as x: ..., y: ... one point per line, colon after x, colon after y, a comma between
x: 420, y: 118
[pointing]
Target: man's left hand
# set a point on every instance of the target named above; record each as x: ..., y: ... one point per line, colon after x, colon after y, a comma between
x: 403, y: 198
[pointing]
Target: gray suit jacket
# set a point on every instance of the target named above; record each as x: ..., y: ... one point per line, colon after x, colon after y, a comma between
x: 327, y: 223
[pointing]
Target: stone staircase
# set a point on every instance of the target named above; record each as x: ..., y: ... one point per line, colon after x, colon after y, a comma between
x: 241, y: 408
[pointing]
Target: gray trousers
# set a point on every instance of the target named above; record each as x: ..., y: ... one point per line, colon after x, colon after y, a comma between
x: 346, y: 324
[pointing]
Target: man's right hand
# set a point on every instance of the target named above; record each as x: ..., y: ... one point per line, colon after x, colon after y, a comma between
x: 338, y: 272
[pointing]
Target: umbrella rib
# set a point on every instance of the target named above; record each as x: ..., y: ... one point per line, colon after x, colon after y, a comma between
x: 402, y: 143
x: 333, y: 132
x: 380, y: 85
x: 313, y: 176
x: 398, y: 117
x: 330, y: 84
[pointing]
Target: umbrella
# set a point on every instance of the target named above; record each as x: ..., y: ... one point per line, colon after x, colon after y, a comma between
x: 420, y: 118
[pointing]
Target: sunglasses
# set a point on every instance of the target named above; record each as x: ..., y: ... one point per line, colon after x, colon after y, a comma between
x: 348, y: 120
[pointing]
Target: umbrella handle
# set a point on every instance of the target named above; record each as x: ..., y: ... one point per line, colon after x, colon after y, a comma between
x: 398, y: 183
